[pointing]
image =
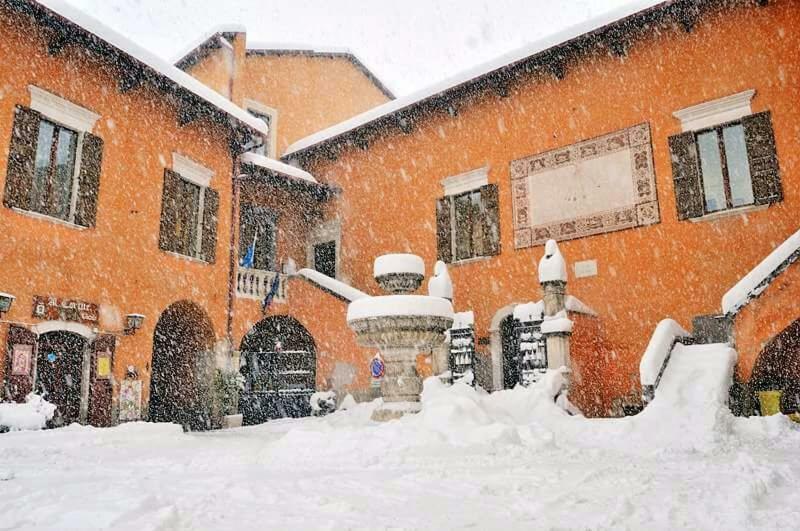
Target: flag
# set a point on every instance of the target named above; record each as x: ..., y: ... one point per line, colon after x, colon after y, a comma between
x: 248, y: 260
x: 273, y: 290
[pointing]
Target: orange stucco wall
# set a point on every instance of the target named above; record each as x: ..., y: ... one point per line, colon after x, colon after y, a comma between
x: 765, y: 317
x: 310, y: 93
x: 116, y: 264
x: 674, y: 268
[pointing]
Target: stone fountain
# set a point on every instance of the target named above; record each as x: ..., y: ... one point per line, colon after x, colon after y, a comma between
x: 401, y: 326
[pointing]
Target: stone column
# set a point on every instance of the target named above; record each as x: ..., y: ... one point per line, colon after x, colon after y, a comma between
x: 401, y: 385
x: 557, y: 338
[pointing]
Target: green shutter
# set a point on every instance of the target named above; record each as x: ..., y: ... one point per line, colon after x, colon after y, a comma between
x: 208, y: 240
x: 444, y: 231
x: 89, y: 180
x: 491, y: 220
x: 763, y: 158
x: 686, y: 176
x: 21, y: 158
x: 170, y: 198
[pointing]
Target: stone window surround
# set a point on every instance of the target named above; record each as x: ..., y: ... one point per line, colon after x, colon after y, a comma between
x: 62, y: 111
x: 330, y: 230
x: 466, y: 182
x: 715, y: 112
x: 198, y: 174
x: 273, y: 125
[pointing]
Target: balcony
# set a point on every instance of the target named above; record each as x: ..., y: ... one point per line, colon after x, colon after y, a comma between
x: 255, y: 283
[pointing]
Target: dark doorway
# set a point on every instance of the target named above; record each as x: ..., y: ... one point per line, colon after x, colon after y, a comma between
x: 325, y: 258
x: 777, y: 368
x: 182, y: 367
x: 279, y: 366
x: 59, y: 370
x: 510, y: 359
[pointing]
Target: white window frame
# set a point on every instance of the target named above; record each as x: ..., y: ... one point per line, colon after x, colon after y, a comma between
x: 195, y: 173
x: 470, y: 181
x: 328, y: 231
x: 716, y: 112
x: 272, y: 136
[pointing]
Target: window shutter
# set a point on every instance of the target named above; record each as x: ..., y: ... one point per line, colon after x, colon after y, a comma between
x: 763, y: 158
x: 167, y: 239
x: 21, y: 157
x: 89, y: 180
x: 18, y: 385
x: 208, y: 245
x: 444, y: 230
x: 491, y: 220
x: 686, y: 176
x: 100, y: 391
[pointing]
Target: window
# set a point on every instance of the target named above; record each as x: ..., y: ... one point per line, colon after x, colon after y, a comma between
x: 467, y: 220
x: 54, y: 161
x: 257, y: 238
x: 325, y: 258
x: 724, y: 166
x: 188, y: 217
x: 270, y: 117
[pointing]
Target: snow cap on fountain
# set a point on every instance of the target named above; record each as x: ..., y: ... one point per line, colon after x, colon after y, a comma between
x: 440, y: 284
x: 552, y: 267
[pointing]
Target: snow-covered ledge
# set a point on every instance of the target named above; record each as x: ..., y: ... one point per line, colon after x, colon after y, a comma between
x: 337, y: 287
x: 657, y: 354
x: 191, y: 170
x: 63, y: 111
x: 465, y: 182
x: 715, y: 112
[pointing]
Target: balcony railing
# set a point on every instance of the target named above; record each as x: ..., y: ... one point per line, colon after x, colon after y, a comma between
x: 255, y: 284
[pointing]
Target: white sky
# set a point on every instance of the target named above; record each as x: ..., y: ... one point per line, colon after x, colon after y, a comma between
x: 408, y: 44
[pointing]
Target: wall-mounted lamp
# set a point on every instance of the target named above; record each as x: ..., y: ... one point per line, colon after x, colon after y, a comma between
x: 6, y: 300
x: 133, y: 322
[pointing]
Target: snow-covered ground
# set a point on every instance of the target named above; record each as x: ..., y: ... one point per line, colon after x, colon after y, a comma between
x: 510, y: 460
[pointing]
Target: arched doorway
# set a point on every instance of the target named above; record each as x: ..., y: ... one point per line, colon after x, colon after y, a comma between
x: 182, y: 368
x: 59, y: 373
x: 777, y: 367
x: 279, y: 364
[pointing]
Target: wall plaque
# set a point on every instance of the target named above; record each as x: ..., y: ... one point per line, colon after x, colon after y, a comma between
x: 58, y: 309
x: 21, y: 360
x: 600, y: 185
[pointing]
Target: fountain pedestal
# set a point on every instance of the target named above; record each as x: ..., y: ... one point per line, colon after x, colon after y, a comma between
x: 401, y: 326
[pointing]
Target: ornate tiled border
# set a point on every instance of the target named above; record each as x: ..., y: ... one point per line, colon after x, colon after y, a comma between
x: 643, y: 212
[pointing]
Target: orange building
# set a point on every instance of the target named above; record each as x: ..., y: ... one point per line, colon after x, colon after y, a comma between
x: 654, y: 143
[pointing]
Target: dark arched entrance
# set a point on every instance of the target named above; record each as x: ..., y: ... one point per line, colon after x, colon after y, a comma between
x: 182, y: 367
x: 510, y: 360
x: 59, y: 373
x: 279, y: 364
x: 777, y: 367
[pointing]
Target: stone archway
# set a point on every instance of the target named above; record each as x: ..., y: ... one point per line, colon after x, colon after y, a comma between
x: 777, y: 367
x: 279, y: 365
x: 182, y: 367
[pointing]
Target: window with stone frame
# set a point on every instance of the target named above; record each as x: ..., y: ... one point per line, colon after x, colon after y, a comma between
x: 726, y: 166
x: 258, y: 235
x: 325, y: 258
x: 188, y: 218
x: 467, y: 224
x: 53, y: 169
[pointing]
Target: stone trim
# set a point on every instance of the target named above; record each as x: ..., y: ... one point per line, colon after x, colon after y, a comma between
x: 644, y: 211
x: 192, y: 171
x: 715, y: 112
x: 62, y: 111
x: 466, y: 182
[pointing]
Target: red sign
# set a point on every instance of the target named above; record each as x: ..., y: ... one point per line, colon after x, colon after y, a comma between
x: 58, y: 309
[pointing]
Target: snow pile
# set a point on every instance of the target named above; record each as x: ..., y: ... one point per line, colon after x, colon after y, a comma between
x: 399, y: 305
x: 336, y: 287
x: 552, y: 267
x: 658, y: 349
x: 556, y: 324
x: 398, y: 263
x: 440, y: 284
x: 463, y: 320
x: 757, y: 280
x: 32, y: 415
x: 529, y: 312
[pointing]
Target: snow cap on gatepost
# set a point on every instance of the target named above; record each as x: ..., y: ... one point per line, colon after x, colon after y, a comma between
x: 552, y: 267
x: 440, y: 284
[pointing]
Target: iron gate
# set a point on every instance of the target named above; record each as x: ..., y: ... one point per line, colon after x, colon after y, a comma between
x: 531, y: 351
x: 278, y: 384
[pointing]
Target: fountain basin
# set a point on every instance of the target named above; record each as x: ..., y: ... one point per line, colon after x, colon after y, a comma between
x: 399, y: 273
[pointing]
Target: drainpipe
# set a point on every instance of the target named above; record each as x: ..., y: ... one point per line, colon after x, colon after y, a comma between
x: 232, y: 247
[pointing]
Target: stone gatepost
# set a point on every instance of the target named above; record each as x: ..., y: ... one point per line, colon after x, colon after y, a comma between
x: 556, y: 326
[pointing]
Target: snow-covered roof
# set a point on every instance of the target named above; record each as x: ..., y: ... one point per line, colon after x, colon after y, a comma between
x: 278, y: 167
x: 205, y: 37
x: 337, y: 287
x: 757, y: 280
x: 537, y: 47
x: 278, y: 48
x: 155, y: 63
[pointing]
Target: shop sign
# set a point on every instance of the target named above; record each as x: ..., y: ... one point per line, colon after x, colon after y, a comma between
x: 104, y: 365
x: 21, y: 359
x: 58, y: 309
